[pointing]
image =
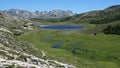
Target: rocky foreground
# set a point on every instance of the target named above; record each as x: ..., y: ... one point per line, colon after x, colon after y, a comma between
x: 19, y: 54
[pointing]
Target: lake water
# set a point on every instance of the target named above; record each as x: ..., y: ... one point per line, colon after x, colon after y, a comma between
x: 62, y: 27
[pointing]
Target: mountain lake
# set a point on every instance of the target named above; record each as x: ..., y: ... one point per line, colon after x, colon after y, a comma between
x: 61, y: 27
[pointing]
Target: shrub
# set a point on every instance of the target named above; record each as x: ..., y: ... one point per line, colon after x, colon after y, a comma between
x: 112, y: 29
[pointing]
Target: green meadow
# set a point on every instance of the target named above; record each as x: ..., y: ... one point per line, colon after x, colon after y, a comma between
x: 77, y: 47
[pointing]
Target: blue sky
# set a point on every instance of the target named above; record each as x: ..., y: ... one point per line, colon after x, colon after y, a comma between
x: 77, y: 6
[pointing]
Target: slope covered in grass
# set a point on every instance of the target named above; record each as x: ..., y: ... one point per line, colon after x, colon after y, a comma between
x: 82, y: 50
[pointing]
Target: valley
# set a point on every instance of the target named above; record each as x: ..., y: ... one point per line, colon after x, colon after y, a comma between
x: 76, y: 47
x: 24, y: 45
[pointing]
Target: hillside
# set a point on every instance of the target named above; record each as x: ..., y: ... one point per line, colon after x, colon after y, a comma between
x: 15, y: 53
x: 89, y: 17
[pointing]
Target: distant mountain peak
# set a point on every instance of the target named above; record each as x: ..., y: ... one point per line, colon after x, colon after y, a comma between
x: 39, y: 14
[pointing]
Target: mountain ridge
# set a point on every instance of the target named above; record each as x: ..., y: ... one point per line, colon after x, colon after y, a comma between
x: 39, y: 14
x: 87, y: 17
x: 114, y: 6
